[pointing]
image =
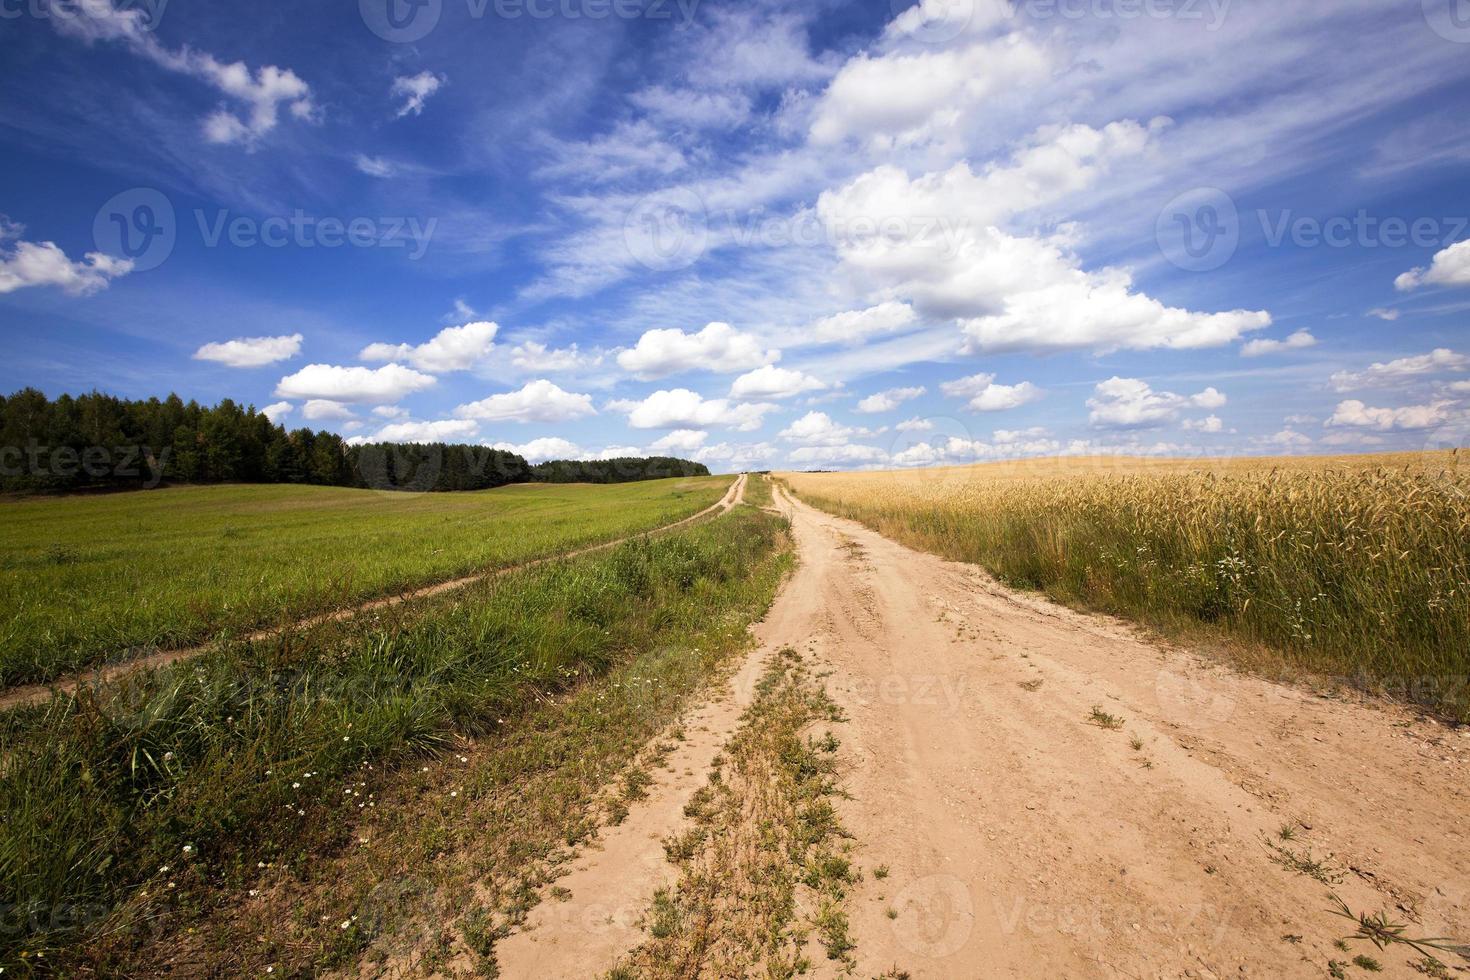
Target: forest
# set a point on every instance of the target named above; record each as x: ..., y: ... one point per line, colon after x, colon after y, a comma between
x: 101, y: 441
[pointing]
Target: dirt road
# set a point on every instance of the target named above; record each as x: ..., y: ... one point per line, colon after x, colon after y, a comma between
x: 1196, y: 824
x: 33, y: 693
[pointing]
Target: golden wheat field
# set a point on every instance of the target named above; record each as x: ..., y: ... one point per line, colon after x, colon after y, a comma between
x: 1354, y: 567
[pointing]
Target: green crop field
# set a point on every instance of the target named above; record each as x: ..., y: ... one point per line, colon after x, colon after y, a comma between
x: 142, y: 816
x: 85, y: 579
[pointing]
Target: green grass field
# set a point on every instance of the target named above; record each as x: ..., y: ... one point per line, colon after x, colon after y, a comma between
x: 84, y: 579
x: 139, y: 817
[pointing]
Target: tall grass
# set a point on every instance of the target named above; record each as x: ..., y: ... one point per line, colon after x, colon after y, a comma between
x: 1358, y: 573
x: 85, y: 578
x: 225, y: 760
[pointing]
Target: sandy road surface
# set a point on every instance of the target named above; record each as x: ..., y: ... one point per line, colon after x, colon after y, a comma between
x: 1021, y: 839
x: 1024, y: 840
x: 31, y: 693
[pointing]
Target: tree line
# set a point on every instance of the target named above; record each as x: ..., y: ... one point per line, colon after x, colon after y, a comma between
x: 97, y: 440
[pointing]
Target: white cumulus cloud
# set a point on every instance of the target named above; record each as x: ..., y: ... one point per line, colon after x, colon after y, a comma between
x: 774, y: 382
x: 681, y: 441
x: 1129, y: 403
x: 537, y: 358
x: 451, y: 349
x: 441, y: 430
x: 951, y: 256
x: 719, y: 347
x: 1297, y: 341
x: 249, y: 352
x: 887, y: 401
x: 326, y: 410
x: 986, y: 396
x: 820, y: 429
x: 856, y: 326
x: 1438, y: 361
x: 540, y: 450
x: 680, y: 408
x: 1449, y: 267
x: 1356, y: 414
x: 389, y: 383
x: 537, y: 401
x: 25, y: 264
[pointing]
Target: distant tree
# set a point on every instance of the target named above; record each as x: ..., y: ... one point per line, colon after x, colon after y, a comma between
x: 98, y: 440
x: 622, y: 470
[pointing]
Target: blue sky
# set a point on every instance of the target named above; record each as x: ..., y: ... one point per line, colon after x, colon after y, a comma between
x: 756, y: 234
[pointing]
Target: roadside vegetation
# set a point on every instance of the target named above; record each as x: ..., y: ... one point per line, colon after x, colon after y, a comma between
x: 295, y: 802
x: 764, y: 868
x: 84, y: 579
x: 1355, y: 569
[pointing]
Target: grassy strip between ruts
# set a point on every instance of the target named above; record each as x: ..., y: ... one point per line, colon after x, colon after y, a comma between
x: 763, y: 864
x: 758, y: 490
x: 258, y: 807
x: 85, y: 579
x: 1338, y: 572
